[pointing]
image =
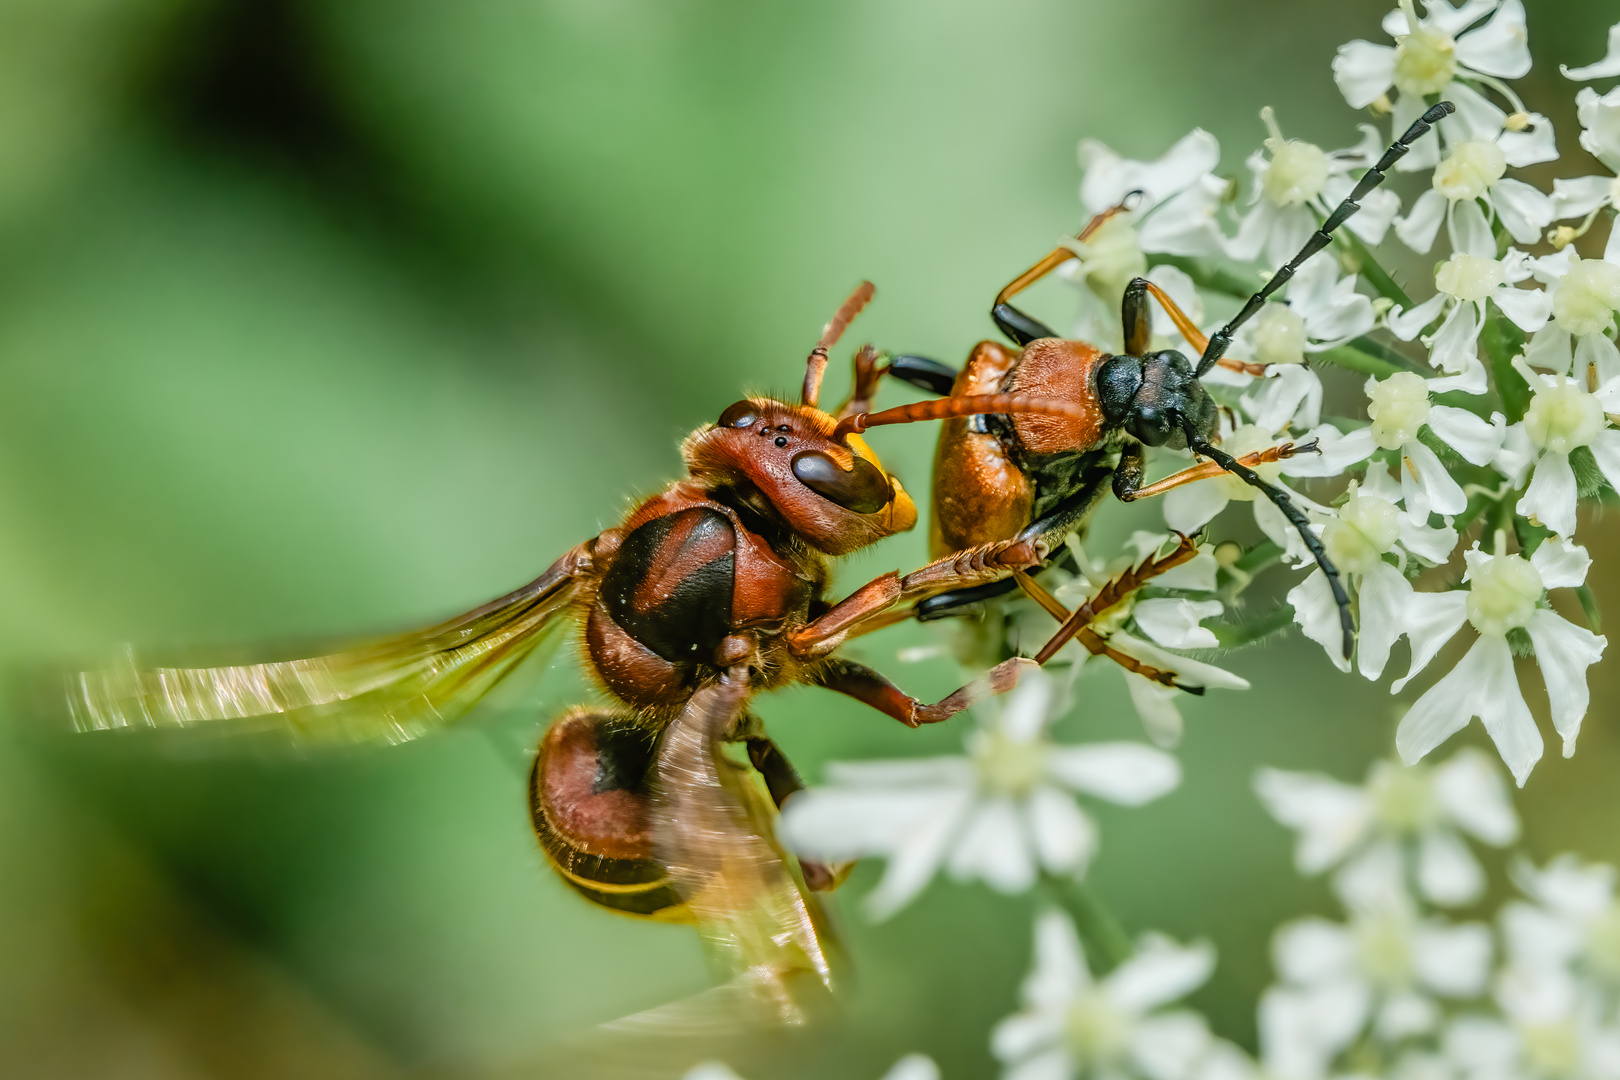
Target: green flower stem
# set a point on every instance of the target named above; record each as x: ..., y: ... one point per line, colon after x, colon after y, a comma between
x: 1235, y: 634
x: 1357, y: 359
x: 1590, y: 607
x: 1206, y: 275
x: 1503, y: 341
x: 1375, y: 274
x: 1106, y: 943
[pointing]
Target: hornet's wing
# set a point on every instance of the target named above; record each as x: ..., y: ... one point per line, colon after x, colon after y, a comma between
x: 714, y: 830
x: 390, y: 690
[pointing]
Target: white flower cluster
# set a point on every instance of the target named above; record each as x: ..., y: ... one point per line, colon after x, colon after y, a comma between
x: 1397, y: 989
x: 1463, y: 482
x: 1450, y: 499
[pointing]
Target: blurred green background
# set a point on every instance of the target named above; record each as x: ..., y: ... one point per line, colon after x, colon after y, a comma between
x: 328, y: 318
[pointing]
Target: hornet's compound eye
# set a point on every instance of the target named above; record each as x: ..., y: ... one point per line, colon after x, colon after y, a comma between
x: 741, y: 415
x: 863, y: 489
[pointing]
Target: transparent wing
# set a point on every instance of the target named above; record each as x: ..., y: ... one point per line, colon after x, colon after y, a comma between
x: 714, y: 830
x: 385, y: 691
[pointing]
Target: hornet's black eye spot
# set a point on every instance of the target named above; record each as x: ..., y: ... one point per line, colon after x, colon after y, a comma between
x: 740, y: 415
x: 863, y: 489
x: 781, y: 440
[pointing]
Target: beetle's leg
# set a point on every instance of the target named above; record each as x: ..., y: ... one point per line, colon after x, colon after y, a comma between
x: 1080, y: 620
x: 868, y: 374
x: 782, y: 781
x: 1094, y: 642
x: 1138, y: 322
x: 925, y: 374
x: 1018, y: 326
x: 872, y: 687
x: 1130, y: 489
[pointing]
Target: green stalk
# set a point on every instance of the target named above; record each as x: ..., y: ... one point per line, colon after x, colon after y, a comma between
x: 1206, y: 275
x: 1232, y: 636
x: 1375, y: 274
x: 1106, y: 943
x: 1502, y: 342
x: 1349, y: 356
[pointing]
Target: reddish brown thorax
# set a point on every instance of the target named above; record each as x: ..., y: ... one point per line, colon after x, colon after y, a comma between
x: 1064, y: 371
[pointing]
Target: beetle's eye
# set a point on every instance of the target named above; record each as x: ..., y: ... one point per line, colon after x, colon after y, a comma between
x: 863, y: 489
x: 742, y: 414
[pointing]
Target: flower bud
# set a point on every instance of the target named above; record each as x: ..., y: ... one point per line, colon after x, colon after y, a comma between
x: 1587, y: 297
x: 1398, y: 406
x: 1470, y: 169
x: 1502, y: 594
x: 1469, y: 277
x: 1562, y: 418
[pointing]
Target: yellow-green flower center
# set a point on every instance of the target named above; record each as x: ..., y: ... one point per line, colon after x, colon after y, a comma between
x: 1112, y: 257
x: 1563, y: 417
x: 1008, y: 766
x: 1502, y: 595
x: 1603, y: 943
x: 1425, y: 58
x: 1469, y: 277
x: 1552, y: 1049
x: 1403, y: 798
x: 1365, y: 529
x: 1279, y: 336
x: 1384, y: 952
x: 1588, y: 296
x: 1095, y: 1028
x: 1470, y: 170
x: 1399, y: 407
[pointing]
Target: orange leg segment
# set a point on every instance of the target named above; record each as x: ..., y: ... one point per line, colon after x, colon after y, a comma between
x: 1207, y: 470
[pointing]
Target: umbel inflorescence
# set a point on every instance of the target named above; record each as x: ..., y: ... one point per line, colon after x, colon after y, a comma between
x: 1450, y: 499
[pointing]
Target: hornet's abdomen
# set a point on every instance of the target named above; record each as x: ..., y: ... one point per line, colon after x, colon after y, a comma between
x: 590, y: 798
x: 664, y: 605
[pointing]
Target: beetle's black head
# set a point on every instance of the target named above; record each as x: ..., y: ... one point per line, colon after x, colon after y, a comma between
x: 1156, y: 399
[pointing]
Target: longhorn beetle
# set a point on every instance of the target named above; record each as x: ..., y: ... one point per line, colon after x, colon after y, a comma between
x: 1008, y: 489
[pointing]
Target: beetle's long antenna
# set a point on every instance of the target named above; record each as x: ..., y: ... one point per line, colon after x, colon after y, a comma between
x: 816, y: 366
x: 1374, y: 176
x: 1296, y: 516
x: 972, y: 405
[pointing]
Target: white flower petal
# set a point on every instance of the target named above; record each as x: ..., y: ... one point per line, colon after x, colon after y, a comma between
x: 1188, y: 508
x: 1448, y: 874
x: 1337, y: 451
x: 1580, y: 195
x: 1060, y: 973
x: 1517, y: 454
x: 1185, y: 224
x: 1197, y: 574
x: 1363, y: 71
x: 1475, y: 438
x: 1470, y: 231
x: 1109, y: 177
x: 1174, y: 623
x: 994, y: 847
x: 1167, y: 1046
x: 1312, y: 950
x: 1471, y: 380
x: 1026, y: 1035
x: 1404, y: 1015
x: 837, y: 824
x: 1301, y: 1031
x: 1564, y: 652
x: 1523, y: 210
x: 1550, y: 498
x: 1122, y: 772
x: 1606, y: 451
x: 1418, y: 228
x: 1155, y: 706
x: 1600, y: 127
x: 1501, y: 46
x: 1456, y: 343
x: 1161, y: 972
x: 1192, y: 672
x: 1452, y: 960
x: 1374, y: 881
x: 1562, y: 565
x: 1053, y: 1064
x: 1027, y: 708
x: 1385, y: 595
x: 710, y: 1070
x: 1482, y: 684
x: 913, y: 1067
x: 1331, y: 817
x: 1603, y: 69
x: 1596, y: 358
x: 1065, y: 838
x: 1432, y: 546
x: 1317, y: 613
x: 914, y: 862
x: 1407, y: 323
x: 1432, y: 619
x: 1529, y: 309
x: 1470, y: 790
x: 1424, y: 472
x: 1531, y: 145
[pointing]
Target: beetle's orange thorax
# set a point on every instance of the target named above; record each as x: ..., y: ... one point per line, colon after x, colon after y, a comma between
x: 1054, y: 368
